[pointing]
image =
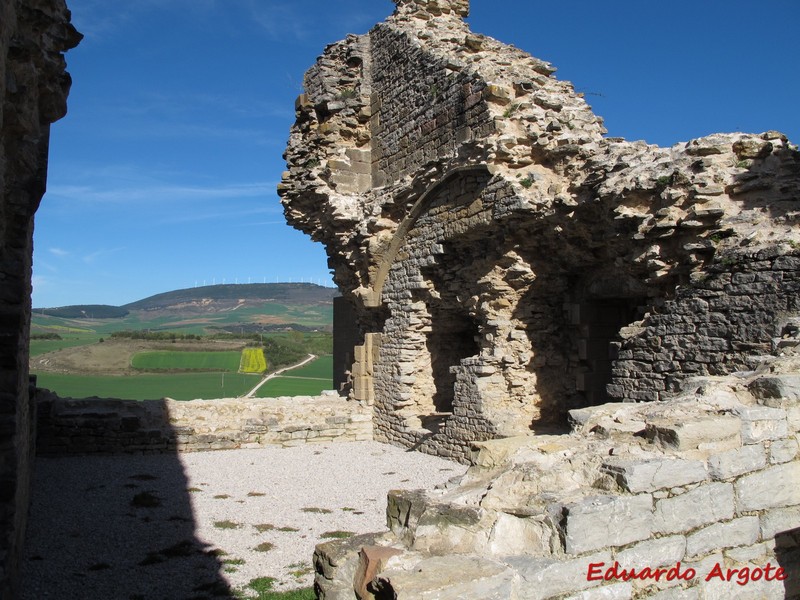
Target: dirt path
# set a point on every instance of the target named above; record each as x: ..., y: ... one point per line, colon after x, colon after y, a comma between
x: 307, y: 360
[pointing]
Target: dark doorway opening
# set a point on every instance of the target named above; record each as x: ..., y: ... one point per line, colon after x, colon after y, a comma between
x: 598, y: 323
x: 453, y: 337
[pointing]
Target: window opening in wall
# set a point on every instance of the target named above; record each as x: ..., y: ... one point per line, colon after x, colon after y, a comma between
x: 598, y: 323
x: 453, y: 337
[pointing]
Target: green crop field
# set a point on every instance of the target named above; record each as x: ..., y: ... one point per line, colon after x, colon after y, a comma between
x: 43, y: 346
x: 321, y: 368
x: 203, y: 361
x: 253, y: 361
x: 289, y: 386
x: 181, y: 386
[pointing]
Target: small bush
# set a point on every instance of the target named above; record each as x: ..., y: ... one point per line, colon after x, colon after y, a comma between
x: 336, y: 535
x: 313, y: 509
x: 264, y: 547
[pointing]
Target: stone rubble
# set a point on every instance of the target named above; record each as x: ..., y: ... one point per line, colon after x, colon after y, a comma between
x: 627, y: 484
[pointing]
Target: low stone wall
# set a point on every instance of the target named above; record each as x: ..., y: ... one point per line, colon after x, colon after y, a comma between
x: 692, y: 498
x: 107, y: 426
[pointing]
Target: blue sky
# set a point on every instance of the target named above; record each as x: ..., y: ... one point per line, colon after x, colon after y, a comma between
x: 163, y: 174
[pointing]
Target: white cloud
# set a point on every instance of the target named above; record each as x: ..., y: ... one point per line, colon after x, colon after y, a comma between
x: 126, y: 191
x: 91, y: 258
x: 60, y: 252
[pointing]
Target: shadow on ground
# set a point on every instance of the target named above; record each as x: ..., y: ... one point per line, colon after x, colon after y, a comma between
x: 116, y: 527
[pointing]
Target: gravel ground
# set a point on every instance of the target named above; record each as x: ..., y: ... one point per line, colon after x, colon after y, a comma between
x: 186, y: 526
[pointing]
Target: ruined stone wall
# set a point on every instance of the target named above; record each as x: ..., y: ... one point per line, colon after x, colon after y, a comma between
x: 421, y: 109
x: 505, y: 262
x: 696, y: 485
x: 736, y: 313
x: 106, y: 426
x: 33, y: 90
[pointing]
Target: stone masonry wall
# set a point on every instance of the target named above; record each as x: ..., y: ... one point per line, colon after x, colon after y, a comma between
x: 33, y: 91
x: 99, y: 426
x: 734, y: 315
x: 505, y: 262
x: 703, y: 485
x: 421, y: 109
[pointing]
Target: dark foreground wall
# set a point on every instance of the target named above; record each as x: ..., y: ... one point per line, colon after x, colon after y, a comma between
x: 33, y: 91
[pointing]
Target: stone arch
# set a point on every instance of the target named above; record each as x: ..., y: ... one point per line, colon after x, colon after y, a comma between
x: 400, y: 235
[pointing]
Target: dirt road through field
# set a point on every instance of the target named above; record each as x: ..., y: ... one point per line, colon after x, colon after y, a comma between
x: 307, y: 360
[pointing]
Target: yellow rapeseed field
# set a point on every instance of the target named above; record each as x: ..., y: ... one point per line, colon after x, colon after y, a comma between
x: 253, y: 361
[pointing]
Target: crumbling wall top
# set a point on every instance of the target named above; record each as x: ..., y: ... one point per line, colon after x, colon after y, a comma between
x: 427, y: 8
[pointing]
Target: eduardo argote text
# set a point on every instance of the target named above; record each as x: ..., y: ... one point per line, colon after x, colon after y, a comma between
x: 741, y: 576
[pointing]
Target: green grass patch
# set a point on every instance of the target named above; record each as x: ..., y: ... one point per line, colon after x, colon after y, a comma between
x: 337, y: 535
x: 262, y: 586
x: 186, y: 361
x: 314, y: 509
x: 286, y: 386
x: 181, y: 386
x: 44, y: 346
x: 227, y: 524
x: 319, y: 368
x: 253, y: 361
x: 264, y: 547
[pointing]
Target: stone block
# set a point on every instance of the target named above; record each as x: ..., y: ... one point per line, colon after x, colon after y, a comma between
x: 739, y: 532
x: 512, y: 535
x: 755, y: 554
x: 695, y: 432
x: 757, y: 431
x: 448, y: 578
x: 653, y: 553
x: 543, y: 578
x: 602, y: 521
x: 782, y: 451
x: 647, y: 475
x: 677, y: 594
x: 774, y: 487
x: 737, y: 462
x: 371, y: 561
x: 718, y: 588
x: 616, y: 591
x: 786, y: 387
x: 778, y: 521
x: 703, y: 505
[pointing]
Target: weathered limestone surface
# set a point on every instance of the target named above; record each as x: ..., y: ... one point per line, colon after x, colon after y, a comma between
x: 33, y: 91
x: 107, y: 426
x: 508, y: 266
x: 533, y: 513
x: 506, y: 262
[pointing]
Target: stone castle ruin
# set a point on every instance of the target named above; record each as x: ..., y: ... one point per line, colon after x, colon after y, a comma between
x: 509, y: 271
x: 504, y: 261
x: 606, y: 331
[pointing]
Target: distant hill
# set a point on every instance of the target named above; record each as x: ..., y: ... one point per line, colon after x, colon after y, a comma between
x: 240, y: 308
x: 282, y: 293
x: 84, y: 311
